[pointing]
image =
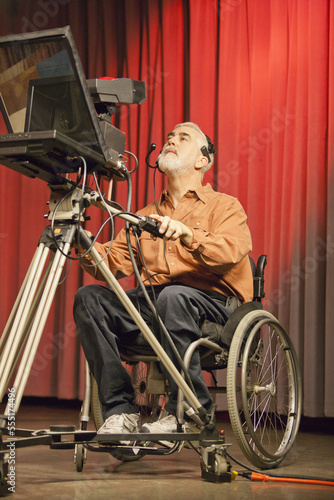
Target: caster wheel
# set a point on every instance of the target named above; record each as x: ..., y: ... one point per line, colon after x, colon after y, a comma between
x: 79, y: 457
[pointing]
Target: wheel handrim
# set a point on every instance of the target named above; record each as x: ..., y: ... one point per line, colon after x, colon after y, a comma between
x: 268, y: 396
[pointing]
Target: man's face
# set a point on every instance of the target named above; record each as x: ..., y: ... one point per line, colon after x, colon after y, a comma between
x: 180, y: 152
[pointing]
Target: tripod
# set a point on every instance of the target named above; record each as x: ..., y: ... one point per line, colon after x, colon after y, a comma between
x: 24, y: 328
x: 25, y: 325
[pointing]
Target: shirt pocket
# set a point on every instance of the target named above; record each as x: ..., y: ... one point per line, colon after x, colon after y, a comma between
x: 153, y: 253
x: 200, y: 222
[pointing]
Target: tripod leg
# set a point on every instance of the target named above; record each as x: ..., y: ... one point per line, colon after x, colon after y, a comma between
x: 40, y: 318
x: 16, y: 305
x: 21, y: 311
x: 27, y: 325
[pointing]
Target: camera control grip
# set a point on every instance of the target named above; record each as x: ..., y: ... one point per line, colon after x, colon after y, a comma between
x: 150, y: 225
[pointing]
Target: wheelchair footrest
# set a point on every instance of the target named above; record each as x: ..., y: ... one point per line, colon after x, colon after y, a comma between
x: 142, y: 436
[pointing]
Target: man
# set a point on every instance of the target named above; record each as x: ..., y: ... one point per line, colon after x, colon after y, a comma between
x: 201, y: 260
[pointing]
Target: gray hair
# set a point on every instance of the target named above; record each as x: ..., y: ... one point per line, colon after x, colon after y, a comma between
x: 202, y: 143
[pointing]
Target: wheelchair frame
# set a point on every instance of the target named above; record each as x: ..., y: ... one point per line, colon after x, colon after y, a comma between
x: 264, y: 390
x: 21, y: 338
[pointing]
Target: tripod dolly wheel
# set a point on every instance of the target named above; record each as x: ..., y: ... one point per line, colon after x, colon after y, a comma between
x: 80, y: 457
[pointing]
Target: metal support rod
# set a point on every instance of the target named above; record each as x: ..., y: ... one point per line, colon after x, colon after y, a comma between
x: 186, y: 360
x: 149, y: 336
x: 84, y: 417
x: 30, y: 313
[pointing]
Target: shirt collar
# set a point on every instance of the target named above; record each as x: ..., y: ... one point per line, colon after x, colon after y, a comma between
x: 204, y: 193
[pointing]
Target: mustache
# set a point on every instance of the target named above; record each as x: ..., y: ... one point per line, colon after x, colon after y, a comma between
x: 168, y: 149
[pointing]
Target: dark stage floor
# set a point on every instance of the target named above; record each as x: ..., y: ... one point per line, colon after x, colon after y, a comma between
x: 43, y: 473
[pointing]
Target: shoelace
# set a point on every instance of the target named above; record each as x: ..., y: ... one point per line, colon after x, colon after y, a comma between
x: 115, y: 421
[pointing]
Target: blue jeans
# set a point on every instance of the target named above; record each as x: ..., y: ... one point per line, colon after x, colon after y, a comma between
x: 102, y: 322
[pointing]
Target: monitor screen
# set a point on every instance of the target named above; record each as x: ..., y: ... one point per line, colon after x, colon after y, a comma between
x: 43, y: 87
x: 56, y: 104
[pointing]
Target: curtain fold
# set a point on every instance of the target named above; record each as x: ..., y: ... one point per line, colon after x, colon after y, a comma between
x: 258, y: 77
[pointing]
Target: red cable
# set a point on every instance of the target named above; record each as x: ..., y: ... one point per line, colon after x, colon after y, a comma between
x: 264, y: 477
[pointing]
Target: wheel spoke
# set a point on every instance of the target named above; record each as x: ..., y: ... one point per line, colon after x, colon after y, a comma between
x: 268, y: 397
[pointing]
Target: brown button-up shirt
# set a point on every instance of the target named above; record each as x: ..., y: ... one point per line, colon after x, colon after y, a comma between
x: 217, y: 258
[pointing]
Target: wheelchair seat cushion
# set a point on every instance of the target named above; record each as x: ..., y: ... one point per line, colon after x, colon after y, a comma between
x: 222, y: 334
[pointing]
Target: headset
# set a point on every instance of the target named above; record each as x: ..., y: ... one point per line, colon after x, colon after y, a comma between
x: 209, y: 149
x: 153, y: 146
x: 205, y: 150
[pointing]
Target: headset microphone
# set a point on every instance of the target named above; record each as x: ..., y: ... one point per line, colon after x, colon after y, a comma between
x: 152, y: 148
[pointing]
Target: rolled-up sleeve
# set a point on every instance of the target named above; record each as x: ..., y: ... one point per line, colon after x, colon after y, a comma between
x: 116, y: 256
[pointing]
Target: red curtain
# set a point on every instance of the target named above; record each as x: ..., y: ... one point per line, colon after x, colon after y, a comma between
x: 257, y: 76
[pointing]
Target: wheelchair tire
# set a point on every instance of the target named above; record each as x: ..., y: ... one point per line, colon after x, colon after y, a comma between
x: 96, y: 405
x: 264, y: 390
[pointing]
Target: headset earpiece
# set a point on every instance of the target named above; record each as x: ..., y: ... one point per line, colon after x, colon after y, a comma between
x: 209, y: 149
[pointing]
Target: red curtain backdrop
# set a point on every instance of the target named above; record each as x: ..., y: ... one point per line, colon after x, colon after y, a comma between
x: 258, y: 77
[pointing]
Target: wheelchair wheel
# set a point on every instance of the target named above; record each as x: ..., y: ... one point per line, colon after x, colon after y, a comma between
x: 148, y: 404
x: 96, y: 405
x: 264, y: 392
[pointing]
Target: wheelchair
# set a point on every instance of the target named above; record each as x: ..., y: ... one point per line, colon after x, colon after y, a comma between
x: 263, y: 385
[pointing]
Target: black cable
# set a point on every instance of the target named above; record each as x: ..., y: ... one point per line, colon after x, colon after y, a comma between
x: 53, y: 218
x: 84, y: 175
x: 80, y: 256
x: 161, y: 325
x: 142, y: 260
x: 66, y: 274
x: 241, y: 463
x: 136, y: 162
x: 129, y: 197
x: 158, y: 319
x: 110, y: 218
x: 159, y: 213
x: 154, y: 193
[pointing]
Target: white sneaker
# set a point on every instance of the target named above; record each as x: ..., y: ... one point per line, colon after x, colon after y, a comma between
x: 123, y: 423
x: 167, y: 425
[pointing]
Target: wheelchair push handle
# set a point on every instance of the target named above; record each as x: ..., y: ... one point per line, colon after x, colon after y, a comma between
x: 261, y: 264
x: 258, y: 279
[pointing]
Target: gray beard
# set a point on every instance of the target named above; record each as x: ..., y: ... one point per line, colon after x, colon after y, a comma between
x: 171, y: 164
